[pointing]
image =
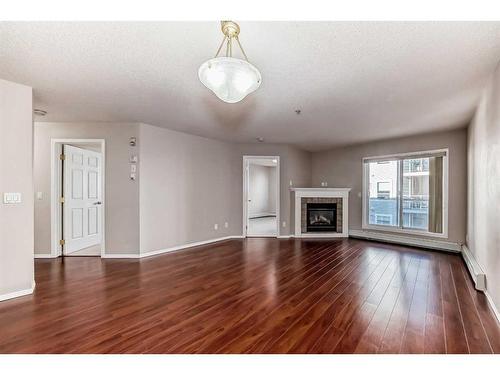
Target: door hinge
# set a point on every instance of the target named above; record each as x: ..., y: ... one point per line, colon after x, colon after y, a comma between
x: 61, y: 200
x: 62, y: 157
x: 61, y: 242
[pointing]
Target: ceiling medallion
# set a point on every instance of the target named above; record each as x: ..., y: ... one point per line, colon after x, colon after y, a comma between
x: 230, y: 78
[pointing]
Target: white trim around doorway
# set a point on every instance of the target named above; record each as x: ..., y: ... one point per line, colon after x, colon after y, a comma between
x: 55, y: 191
x: 246, y: 159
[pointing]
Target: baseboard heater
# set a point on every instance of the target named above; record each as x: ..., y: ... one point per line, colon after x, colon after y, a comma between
x: 475, y: 270
x: 406, y: 240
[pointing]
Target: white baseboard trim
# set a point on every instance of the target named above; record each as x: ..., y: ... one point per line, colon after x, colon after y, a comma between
x: 44, y: 256
x: 475, y: 269
x: 262, y: 236
x: 155, y: 252
x: 18, y: 293
x: 321, y: 235
x: 492, y: 305
x: 121, y: 256
x: 186, y: 246
x: 406, y: 240
x: 285, y: 236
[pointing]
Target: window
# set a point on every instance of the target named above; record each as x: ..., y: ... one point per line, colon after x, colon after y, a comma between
x: 383, y: 189
x: 382, y: 219
x: 406, y: 192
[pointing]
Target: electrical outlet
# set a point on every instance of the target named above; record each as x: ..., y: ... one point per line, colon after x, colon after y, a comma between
x: 216, y: 226
x: 283, y: 224
x: 226, y: 225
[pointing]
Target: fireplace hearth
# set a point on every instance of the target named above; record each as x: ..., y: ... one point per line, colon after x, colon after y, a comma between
x: 321, y: 217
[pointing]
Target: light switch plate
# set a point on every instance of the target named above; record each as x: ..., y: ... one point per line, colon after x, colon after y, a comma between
x: 133, y: 168
x: 11, y: 198
x: 39, y: 195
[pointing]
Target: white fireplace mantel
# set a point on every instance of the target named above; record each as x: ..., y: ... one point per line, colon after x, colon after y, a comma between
x: 323, y: 193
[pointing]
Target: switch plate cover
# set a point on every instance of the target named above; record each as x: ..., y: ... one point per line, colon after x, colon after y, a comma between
x: 10, y: 198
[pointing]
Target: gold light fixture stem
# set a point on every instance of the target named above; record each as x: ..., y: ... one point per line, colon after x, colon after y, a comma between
x: 230, y: 30
x: 220, y: 47
x: 241, y: 47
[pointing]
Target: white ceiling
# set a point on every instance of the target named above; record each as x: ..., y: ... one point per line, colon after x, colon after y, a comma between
x: 353, y: 81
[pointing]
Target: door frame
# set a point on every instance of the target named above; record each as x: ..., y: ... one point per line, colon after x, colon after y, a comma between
x: 55, y: 191
x: 246, y: 160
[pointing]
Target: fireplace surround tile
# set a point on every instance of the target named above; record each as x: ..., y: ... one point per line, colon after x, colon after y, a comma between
x: 339, y: 196
x: 305, y: 200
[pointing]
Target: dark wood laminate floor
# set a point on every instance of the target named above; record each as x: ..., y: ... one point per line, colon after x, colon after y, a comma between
x: 254, y: 296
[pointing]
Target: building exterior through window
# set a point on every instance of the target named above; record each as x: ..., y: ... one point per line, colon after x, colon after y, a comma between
x: 399, y: 192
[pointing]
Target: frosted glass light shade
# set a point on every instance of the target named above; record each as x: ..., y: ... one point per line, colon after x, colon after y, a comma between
x: 229, y: 78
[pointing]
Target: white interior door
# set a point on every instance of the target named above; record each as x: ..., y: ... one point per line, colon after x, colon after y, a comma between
x: 82, y: 208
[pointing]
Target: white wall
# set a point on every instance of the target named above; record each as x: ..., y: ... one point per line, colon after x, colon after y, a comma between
x: 188, y: 184
x: 16, y: 175
x: 483, y: 203
x: 261, y: 190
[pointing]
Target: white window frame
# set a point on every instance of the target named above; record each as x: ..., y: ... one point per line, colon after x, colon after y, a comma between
x: 366, y: 192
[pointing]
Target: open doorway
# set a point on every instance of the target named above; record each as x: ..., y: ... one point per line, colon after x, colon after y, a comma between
x: 261, y: 198
x: 77, y: 197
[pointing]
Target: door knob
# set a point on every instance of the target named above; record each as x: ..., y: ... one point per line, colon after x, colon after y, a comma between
x: 98, y: 203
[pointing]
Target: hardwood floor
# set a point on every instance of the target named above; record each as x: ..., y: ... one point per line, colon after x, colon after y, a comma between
x: 254, y: 296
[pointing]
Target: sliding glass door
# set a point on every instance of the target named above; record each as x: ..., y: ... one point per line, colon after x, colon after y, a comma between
x: 415, y: 193
x: 405, y: 192
x: 384, y: 200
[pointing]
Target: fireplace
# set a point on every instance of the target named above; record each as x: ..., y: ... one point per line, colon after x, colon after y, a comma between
x: 334, y: 205
x: 321, y: 217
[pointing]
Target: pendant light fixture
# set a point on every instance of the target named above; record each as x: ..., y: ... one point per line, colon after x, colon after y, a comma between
x: 229, y: 78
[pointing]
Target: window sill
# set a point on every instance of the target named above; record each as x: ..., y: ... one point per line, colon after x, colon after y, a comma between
x: 421, y: 233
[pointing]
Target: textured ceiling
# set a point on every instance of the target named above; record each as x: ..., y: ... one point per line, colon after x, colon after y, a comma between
x: 353, y: 81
